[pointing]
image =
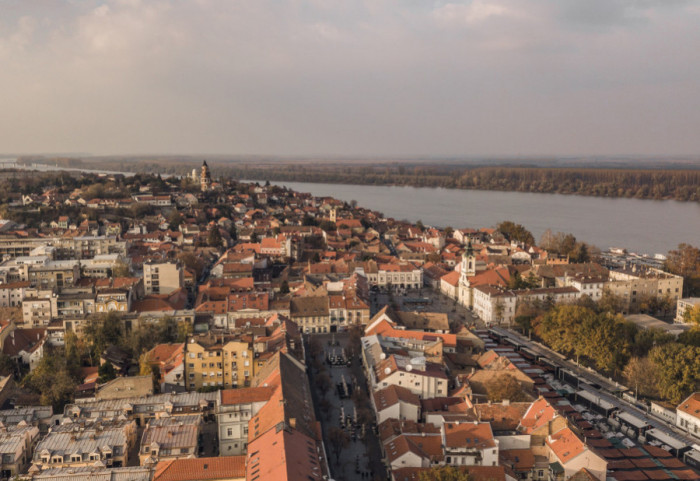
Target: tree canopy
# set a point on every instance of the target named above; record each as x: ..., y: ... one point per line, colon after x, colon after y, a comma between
x: 516, y: 232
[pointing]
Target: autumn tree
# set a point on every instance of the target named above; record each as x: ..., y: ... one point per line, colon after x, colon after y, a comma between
x: 323, y: 383
x: 192, y: 262
x: 214, y: 238
x: 120, y: 269
x: 445, y: 473
x: 685, y: 261
x: 504, y: 387
x: 679, y: 369
x: 602, y: 339
x: 610, y: 302
x: 692, y: 315
x: 643, y: 376
x: 52, y: 380
x: 339, y: 440
x: 101, y: 332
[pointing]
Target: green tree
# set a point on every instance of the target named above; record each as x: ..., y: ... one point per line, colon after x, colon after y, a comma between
x: 284, y: 287
x: 580, y: 253
x: 106, y: 372
x: 174, y: 220
x: 516, y: 232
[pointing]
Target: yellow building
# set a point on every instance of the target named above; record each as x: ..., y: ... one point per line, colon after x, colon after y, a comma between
x: 224, y: 360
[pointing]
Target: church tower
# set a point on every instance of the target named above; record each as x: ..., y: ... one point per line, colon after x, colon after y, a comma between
x: 334, y: 214
x: 205, y: 177
x: 468, y: 261
x: 467, y: 270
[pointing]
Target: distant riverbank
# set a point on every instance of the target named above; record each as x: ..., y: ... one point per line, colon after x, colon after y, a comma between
x: 676, y: 182
x: 642, y: 226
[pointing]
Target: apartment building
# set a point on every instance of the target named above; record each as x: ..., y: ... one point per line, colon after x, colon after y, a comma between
x: 220, y: 360
x: 347, y: 310
x: 469, y: 444
x: 162, y: 277
x: 12, y: 294
x: 635, y: 285
x: 423, y: 378
x: 235, y: 408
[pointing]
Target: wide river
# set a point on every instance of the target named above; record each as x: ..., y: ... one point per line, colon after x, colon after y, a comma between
x: 642, y: 226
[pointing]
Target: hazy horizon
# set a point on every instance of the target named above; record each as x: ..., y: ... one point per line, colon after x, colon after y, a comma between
x: 384, y: 79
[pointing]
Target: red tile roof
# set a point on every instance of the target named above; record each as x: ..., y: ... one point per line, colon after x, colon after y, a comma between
x: 469, y: 435
x: 194, y: 469
x: 691, y: 405
x: 245, y: 395
x: 565, y: 445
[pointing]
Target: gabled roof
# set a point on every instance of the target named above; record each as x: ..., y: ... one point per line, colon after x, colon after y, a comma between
x: 27, y: 340
x: 196, y: 469
x: 468, y: 435
x: 392, y: 395
x: 565, y: 445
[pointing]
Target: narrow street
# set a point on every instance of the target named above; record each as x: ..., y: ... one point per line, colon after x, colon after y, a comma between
x: 360, y: 459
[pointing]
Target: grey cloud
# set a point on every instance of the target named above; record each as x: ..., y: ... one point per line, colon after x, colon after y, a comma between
x: 386, y: 77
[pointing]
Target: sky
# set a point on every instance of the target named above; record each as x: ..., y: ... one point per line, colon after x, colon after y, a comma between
x: 350, y: 77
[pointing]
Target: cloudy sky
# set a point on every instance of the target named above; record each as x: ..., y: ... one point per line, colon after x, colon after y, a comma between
x: 350, y: 77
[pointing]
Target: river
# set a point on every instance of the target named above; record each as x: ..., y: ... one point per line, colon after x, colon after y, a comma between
x: 641, y: 226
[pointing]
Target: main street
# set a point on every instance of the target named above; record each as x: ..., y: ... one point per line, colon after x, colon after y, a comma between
x: 606, y: 389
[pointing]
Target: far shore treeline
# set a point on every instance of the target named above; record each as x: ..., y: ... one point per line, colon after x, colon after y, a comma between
x: 681, y: 184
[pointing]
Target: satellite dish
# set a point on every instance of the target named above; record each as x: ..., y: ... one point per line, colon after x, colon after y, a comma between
x: 387, y: 371
x: 409, y: 368
x: 382, y: 356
